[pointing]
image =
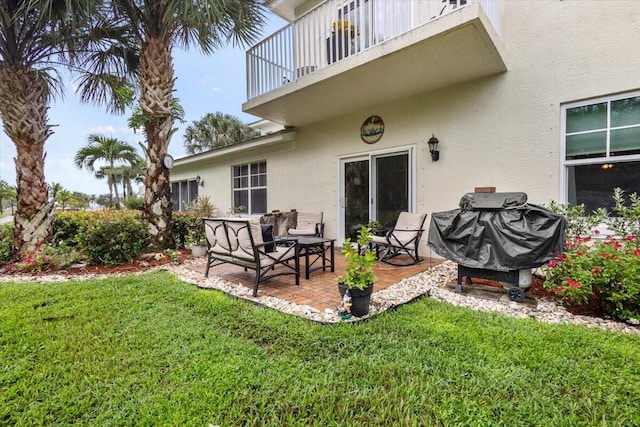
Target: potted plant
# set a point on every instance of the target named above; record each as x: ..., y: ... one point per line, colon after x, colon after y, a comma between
x: 358, y: 276
x: 198, y: 241
x: 342, y: 38
x: 376, y: 228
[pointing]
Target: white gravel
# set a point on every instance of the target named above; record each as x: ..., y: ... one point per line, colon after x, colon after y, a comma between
x: 430, y: 283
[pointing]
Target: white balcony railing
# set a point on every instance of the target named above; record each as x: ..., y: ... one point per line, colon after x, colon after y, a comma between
x: 336, y: 29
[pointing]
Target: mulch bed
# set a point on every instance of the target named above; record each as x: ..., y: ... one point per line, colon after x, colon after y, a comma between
x: 140, y: 263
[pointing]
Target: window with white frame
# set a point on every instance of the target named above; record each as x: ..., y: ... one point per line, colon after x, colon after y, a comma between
x: 601, y: 140
x: 183, y: 193
x: 250, y: 187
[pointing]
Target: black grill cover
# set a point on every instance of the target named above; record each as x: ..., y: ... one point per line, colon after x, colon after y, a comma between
x: 497, y: 231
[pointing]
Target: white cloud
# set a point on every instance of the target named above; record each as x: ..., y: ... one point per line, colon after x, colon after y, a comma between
x: 103, y: 129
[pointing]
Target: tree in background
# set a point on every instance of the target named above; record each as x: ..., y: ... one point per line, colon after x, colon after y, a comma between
x: 80, y: 200
x: 215, y: 131
x: 64, y: 198
x: 35, y: 37
x: 7, y: 193
x: 157, y: 26
x: 129, y: 175
x: 108, y: 150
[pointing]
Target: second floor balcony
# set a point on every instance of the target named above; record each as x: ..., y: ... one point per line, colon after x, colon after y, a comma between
x: 344, y: 55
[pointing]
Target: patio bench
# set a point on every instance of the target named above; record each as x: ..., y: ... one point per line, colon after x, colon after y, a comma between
x: 239, y: 241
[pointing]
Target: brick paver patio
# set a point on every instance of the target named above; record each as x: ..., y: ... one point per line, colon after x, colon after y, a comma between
x: 321, y: 290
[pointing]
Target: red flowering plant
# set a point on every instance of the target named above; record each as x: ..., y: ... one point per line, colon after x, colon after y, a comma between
x: 605, y: 269
x: 46, y: 258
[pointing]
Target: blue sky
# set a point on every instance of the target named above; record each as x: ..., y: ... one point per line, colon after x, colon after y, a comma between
x: 205, y: 84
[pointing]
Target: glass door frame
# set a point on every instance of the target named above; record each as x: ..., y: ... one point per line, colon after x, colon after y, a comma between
x: 371, y: 156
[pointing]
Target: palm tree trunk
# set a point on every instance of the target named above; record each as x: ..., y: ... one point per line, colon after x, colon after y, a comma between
x: 157, y: 104
x: 23, y: 106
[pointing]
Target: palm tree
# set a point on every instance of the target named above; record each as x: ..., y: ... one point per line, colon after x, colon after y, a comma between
x: 157, y: 26
x: 216, y: 130
x: 102, y: 173
x: 35, y: 37
x: 129, y: 175
x: 7, y: 192
x: 64, y: 197
x: 110, y: 150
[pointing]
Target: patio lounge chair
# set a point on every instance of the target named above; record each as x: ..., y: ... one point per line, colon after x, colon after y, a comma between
x: 308, y: 224
x: 239, y: 241
x: 404, y: 238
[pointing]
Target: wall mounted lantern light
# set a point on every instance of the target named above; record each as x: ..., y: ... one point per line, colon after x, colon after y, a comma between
x: 199, y: 181
x: 433, y: 148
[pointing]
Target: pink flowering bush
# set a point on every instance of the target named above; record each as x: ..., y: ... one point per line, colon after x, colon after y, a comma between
x: 45, y: 258
x: 599, y: 269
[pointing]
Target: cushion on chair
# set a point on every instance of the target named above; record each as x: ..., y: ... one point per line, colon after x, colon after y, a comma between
x: 306, y: 224
x: 239, y: 240
x: 407, y: 226
x: 267, y: 236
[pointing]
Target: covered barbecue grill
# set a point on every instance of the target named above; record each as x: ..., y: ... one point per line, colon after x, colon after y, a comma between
x: 497, y: 236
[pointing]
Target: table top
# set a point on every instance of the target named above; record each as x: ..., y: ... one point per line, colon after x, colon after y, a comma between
x: 310, y: 241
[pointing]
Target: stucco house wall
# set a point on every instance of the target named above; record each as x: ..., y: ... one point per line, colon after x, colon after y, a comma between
x: 502, y: 131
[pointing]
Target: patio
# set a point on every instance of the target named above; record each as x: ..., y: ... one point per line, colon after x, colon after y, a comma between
x: 317, y: 295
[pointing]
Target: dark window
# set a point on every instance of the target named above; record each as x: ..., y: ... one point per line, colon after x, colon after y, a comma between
x: 183, y: 193
x: 602, y: 150
x: 250, y: 187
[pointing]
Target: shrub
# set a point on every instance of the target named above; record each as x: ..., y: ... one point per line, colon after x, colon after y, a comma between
x: 113, y: 237
x: 134, y: 203
x: 47, y: 257
x: 68, y: 226
x: 187, y: 225
x: 6, y: 236
x: 184, y: 224
x: 605, y: 271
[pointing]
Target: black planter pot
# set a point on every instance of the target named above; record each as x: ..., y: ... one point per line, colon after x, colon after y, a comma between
x: 338, y: 47
x: 360, y: 299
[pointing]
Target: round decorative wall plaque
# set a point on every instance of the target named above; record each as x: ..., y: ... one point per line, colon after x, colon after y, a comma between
x: 372, y: 129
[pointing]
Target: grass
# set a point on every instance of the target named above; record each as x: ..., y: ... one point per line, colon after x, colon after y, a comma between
x: 150, y: 350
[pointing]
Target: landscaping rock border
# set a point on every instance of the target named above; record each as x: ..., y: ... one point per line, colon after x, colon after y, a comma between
x: 429, y: 283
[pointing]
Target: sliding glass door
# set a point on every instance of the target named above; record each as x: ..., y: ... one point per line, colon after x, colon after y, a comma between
x: 377, y: 187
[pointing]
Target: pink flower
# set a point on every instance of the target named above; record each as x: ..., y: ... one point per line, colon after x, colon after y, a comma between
x: 630, y: 237
x: 636, y: 252
x: 596, y: 271
x: 596, y: 231
x: 553, y: 263
x: 579, y: 253
x: 560, y: 257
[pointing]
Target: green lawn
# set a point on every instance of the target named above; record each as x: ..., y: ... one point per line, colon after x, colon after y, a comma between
x: 150, y: 350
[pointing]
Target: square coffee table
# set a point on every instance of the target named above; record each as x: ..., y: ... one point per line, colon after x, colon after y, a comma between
x: 317, y: 250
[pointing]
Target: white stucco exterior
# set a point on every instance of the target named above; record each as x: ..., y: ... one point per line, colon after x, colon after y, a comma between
x: 502, y: 131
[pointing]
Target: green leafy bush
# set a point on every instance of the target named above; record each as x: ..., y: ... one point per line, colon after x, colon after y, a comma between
x: 68, y: 226
x: 134, y: 203
x: 187, y: 225
x: 358, y: 271
x: 113, y: 237
x: 605, y: 271
x: 184, y: 224
x: 6, y: 234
